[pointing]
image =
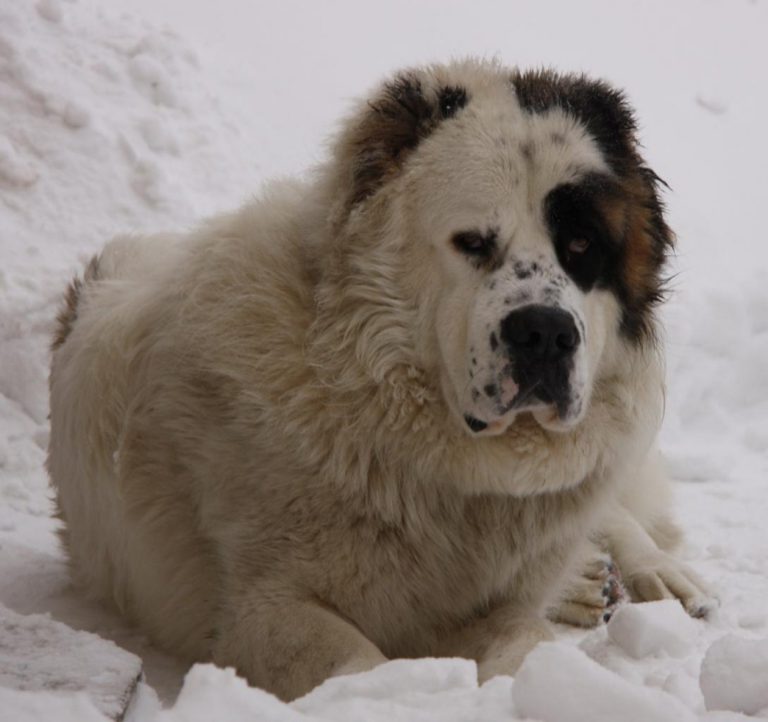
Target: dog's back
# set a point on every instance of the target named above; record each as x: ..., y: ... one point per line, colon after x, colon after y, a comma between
x: 107, y: 320
x: 134, y: 407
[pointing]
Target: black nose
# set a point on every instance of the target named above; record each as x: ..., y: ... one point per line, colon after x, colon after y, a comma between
x: 540, y: 333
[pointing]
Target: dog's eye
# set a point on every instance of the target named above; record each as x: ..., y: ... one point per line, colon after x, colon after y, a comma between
x: 474, y: 243
x: 579, y: 245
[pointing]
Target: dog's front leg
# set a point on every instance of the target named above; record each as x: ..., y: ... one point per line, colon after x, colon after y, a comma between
x: 289, y: 646
x: 498, y: 642
x: 649, y: 572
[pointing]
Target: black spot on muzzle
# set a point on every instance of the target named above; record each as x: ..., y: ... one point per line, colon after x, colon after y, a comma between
x: 474, y: 424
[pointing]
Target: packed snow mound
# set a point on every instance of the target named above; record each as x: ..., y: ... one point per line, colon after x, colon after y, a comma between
x: 402, y: 690
x: 105, y: 124
x: 209, y: 690
x: 24, y: 706
x: 412, y: 689
x: 653, y: 628
x: 399, y: 691
x: 39, y: 654
x: 734, y: 675
x: 559, y: 683
x: 408, y: 677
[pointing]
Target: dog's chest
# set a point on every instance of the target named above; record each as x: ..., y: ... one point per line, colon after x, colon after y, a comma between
x: 451, y: 566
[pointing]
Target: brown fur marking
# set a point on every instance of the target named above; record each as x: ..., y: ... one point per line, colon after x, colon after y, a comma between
x: 399, y: 118
x: 633, y: 213
x: 65, y: 320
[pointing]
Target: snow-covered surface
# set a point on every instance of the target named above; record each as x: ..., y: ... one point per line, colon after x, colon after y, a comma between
x: 38, y: 654
x: 43, y: 706
x: 109, y: 122
x: 562, y: 684
x: 734, y: 675
x: 641, y: 630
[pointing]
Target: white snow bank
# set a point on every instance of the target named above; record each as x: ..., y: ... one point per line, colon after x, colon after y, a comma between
x: 734, y: 675
x: 405, y: 676
x: 209, y: 690
x: 106, y: 125
x: 38, y: 654
x: 410, y: 689
x: 558, y: 683
x: 22, y: 706
x: 721, y: 716
x: 653, y: 627
x: 398, y: 691
x: 422, y: 690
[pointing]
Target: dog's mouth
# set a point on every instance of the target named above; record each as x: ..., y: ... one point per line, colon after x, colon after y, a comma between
x: 554, y: 408
x: 547, y: 417
x: 474, y: 424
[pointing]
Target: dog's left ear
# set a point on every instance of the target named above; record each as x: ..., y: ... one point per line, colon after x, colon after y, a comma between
x: 401, y: 115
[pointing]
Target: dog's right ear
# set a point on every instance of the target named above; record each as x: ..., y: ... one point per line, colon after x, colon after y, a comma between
x: 395, y: 121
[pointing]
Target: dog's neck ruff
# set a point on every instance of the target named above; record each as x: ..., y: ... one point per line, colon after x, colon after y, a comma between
x: 373, y: 384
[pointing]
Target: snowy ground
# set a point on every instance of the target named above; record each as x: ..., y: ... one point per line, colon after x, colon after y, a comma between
x: 110, y: 122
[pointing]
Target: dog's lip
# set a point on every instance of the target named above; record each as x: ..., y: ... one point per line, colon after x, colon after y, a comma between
x: 494, y: 427
x: 548, y: 415
x: 475, y: 425
x: 551, y: 419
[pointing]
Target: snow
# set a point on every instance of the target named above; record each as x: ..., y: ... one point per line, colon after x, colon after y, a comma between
x: 558, y: 683
x: 653, y: 628
x: 33, y: 706
x: 208, y: 691
x: 734, y: 675
x: 36, y: 655
x: 402, y: 689
x: 407, y: 689
x: 112, y: 122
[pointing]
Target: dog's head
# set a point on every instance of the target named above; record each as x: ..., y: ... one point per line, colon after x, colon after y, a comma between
x: 530, y: 229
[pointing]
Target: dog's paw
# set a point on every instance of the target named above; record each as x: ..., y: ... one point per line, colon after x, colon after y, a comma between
x: 593, y: 596
x: 664, y: 577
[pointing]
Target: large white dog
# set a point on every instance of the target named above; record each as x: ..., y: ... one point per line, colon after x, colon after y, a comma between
x: 386, y: 412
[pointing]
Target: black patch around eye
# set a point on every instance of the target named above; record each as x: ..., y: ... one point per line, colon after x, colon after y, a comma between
x: 572, y: 214
x: 481, y: 248
x: 451, y: 100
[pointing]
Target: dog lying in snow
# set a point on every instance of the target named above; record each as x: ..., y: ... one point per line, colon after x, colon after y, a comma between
x: 389, y: 411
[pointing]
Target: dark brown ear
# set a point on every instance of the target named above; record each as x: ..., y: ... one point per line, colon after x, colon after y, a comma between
x: 634, y: 216
x: 602, y: 109
x: 397, y: 120
x: 648, y: 241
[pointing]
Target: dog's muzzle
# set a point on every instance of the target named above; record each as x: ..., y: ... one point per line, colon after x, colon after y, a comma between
x: 541, y: 342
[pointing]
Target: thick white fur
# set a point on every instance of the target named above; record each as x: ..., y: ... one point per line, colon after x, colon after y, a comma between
x: 257, y: 437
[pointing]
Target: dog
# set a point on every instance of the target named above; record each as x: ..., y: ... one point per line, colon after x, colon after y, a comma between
x: 402, y: 408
